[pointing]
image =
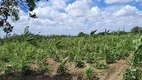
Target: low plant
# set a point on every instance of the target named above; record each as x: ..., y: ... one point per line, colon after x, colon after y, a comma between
x: 9, y: 70
x: 26, y: 70
x: 79, y: 64
x: 44, y: 69
x: 62, y: 69
x: 90, y: 74
x: 132, y: 74
x: 89, y: 58
x: 137, y: 55
x: 101, y: 66
x: 110, y: 58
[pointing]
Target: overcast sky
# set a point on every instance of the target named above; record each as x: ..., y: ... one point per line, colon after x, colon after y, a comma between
x: 73, y: 16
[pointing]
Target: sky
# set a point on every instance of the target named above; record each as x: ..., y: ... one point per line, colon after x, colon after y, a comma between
x: 69, y: 17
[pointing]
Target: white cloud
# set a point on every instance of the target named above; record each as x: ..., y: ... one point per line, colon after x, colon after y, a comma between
x: 121, y: 1
x: 128, y: 11
x: 58, y: 4
x: 117, y: 1
x: 78, y: 16
x: 78, y: 8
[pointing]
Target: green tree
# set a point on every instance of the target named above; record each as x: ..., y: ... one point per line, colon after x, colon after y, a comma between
x: 10, y: 9
x: 81, y: 34
x: 136, y: 29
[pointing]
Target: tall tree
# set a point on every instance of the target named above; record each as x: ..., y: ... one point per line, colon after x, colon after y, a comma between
x: 10, y: 9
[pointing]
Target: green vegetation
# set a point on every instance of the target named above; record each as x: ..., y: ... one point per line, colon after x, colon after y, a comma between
x: 9, y: 9
x: 62, y: 69
x: 89, y: 74
x: 132, y: 74
x: 19, y: 52
x: 80, y: 64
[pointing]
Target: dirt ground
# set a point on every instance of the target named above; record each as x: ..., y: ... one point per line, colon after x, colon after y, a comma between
x: 114, y: 72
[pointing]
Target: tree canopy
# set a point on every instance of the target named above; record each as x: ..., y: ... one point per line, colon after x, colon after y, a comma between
x: 10, y: 9
x: 136, y: 29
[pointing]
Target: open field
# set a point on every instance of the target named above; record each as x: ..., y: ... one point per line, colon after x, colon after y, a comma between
x: 103, y: 57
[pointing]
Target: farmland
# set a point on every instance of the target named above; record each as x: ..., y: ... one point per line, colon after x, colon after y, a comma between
x: 97, y: 57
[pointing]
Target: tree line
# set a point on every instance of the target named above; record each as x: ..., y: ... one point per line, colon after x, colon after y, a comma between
x: 134, y: 30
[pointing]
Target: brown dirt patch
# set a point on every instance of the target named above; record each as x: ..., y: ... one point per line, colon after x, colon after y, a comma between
x: 53, y: 65
x: 115, y: 71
